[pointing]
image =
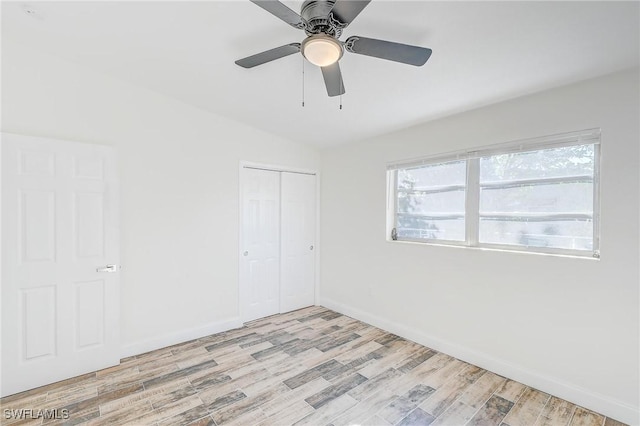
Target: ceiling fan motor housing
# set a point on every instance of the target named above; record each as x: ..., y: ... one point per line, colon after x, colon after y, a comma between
x: 319, y: 19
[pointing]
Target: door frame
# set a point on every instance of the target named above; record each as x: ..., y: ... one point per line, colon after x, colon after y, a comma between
x: 275, y: 168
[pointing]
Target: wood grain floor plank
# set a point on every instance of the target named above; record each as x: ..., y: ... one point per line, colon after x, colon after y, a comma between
x: 511, y: 390
x: 451, y: 390
x: 374, y: 384
x: 213, y: 393
x: 387, y: 338
x: 334, y: 391
x: 386, y: 358
x: 80, y: 418
x: 417, y: 417
x: 376, y: 421
x: 221, y: 401
x: 259, y: 386
x: 312, y: 366
x: 110, y: 371
x: 108, y: 384
x: 18, y: 419
x: 96, y: 401
x: 173, y: 396
x: 479, y: 392
x: 205, y: 421
x: 31, y: 400
x: 527, y: 409
x: 557, y: 412
x: 251, y: 418
x: 189, y: 416
x: 611, y: 422
x: 178, y: 374
x: 288, y: 399
x: 198, y: 357
x: 151, y: 364
x: 337, y: 342
x: 406, y: 403
x: 66, y: 396
x: 312, y: 373
x: 584, y: 417
x: 274, y: 350
x: 325, y: 414
x: 209, y: 380
x: 216, y: 347
x: 492, y: 412
x: 169, y: 410
x: 74, y: 381
x: 436, y: 370
x: 128, y: 414
x: 133, y: 398
x: 294, y: 412
x: 244, y: 366
x: 457, y: 413
x: 361, y: 412
x: 293, y: 365
x: 152, y: 355
x: 416, y: 359
x: 359, y: 352
x: 187, y: 348
x: 240, y: 408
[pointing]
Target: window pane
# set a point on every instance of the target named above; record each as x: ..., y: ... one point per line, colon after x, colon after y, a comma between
x: 557, y: 162
x: 441, y: 174
x: 553, y: 198
x: 573, y: 234
x: 421, y: 228
x: 538, y: 199
x: 431, y: 201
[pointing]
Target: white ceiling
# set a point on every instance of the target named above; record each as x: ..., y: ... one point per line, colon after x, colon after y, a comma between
x: 483, y: 52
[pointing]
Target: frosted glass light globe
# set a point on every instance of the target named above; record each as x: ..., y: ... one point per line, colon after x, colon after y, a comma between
x: 321, y: 50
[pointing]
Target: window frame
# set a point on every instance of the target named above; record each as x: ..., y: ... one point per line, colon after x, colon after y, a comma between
x: 464, y: 215
x: 473, y: 187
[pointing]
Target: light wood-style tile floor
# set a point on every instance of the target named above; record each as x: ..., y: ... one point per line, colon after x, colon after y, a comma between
x: 308, y: 367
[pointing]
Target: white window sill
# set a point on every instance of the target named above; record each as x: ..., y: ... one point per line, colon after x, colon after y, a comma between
x: 462, y: 245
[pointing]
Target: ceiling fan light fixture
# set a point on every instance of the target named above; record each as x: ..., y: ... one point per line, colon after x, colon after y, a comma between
x: 321, y: 50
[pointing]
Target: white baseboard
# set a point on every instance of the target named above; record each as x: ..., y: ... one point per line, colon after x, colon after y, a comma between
x: 163, y: 341
x: 610, y: 407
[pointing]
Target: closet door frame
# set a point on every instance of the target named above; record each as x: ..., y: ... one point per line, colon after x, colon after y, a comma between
x: 275, y: 168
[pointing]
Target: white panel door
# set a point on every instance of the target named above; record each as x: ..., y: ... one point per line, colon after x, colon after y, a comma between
x: 298, y: 241
x: 60, y: 316
x: 260, y: 268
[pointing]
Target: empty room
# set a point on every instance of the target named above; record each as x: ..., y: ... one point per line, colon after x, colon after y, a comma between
x: 320, y: 212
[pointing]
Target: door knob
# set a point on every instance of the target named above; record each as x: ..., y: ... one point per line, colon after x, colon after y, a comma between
x: 245, y: 253
x: 310, y: 247
x: 108, y: 268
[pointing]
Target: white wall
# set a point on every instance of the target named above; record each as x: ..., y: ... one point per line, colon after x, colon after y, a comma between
x: 565, y: 325
x: 179, y: 171
x: 568, y: 326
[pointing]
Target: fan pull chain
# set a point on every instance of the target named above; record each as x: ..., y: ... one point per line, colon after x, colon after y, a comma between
x: 341, y: 90
x: 302, y: 81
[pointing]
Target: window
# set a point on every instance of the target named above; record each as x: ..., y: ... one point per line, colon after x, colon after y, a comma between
x: 538, y: 195
x: 431, y: 202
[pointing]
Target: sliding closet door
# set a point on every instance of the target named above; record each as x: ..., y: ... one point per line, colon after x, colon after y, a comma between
x: 260, y: 268
x: 298, y: 224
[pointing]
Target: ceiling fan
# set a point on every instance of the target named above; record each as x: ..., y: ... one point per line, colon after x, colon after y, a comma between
x: 323, y: 22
